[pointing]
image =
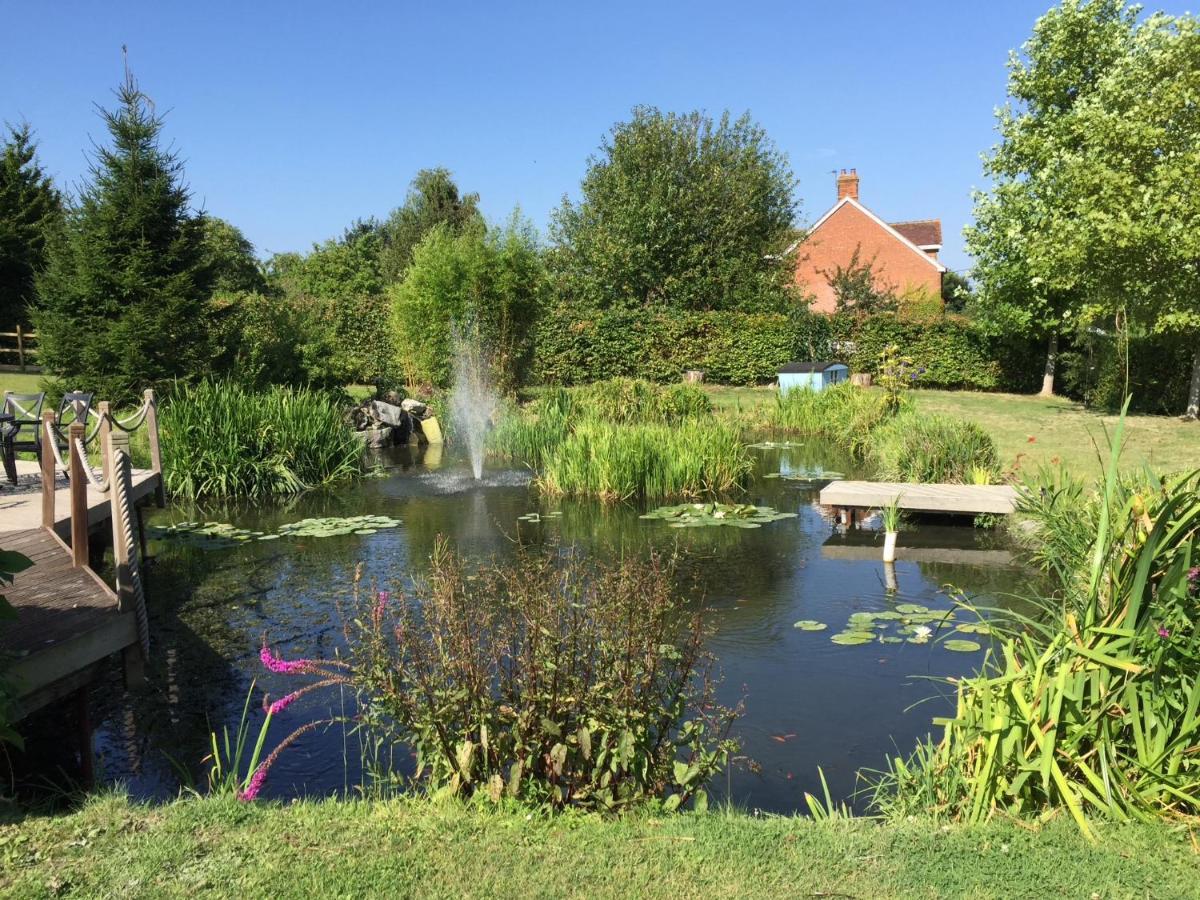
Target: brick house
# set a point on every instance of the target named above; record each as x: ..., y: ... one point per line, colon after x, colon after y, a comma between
x: 903, y: 255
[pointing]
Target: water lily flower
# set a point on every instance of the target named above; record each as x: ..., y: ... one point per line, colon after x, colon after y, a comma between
x: 922, y: 631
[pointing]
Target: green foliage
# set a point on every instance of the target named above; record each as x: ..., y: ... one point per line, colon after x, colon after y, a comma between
x: 1095, y: 705
x: 221, y: 439
x: 844, y: 411
x: 233, y: 759
x: 433, y: 199
x: 957, y: 294
x: 920, y: 447
x: 680, y: 212
x: 489, y: 285
x: 629, y: 400
x: 555, y: 682
x: 635, y: 461
x: 731, y: 347
x: 31, y: 213
x: 230, y: 259
x: 896, y: 376
x: 1102, y: 368
x: 263, y: 339
x: 123, y: 302
x: 858, y: 289
x: 11, y: 563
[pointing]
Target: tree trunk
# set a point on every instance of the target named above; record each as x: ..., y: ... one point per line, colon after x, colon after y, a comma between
x: 1051, y: 365
x: 1193, y: 407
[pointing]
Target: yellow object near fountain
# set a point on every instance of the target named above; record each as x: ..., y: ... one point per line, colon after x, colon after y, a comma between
x: 432, y: 430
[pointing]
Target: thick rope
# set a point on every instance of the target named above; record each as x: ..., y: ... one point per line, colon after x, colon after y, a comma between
x: 129, y: 425
x: 122, y: 479
x: 99, y: 482
x: 55, y: 437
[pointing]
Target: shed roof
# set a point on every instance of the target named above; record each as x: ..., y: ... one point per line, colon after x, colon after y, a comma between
x: 924, y: 232
x: 795, y: 367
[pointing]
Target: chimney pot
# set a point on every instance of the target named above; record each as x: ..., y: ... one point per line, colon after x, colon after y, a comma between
x: 847, y: 185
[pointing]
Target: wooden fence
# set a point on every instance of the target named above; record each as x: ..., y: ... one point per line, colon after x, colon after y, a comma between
x: 21, y: 344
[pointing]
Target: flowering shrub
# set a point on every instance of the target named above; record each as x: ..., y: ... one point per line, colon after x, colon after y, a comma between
x: 897, y: 374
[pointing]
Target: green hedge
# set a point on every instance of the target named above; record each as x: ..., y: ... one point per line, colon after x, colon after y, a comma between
x: 1093, y: 367
x: 748, y: 348
x: 731, y: 347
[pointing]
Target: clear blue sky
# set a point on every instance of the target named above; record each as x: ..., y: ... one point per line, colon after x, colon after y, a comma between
x: 296, y: 118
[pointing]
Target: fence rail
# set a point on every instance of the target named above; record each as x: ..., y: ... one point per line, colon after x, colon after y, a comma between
x: 24, y: 348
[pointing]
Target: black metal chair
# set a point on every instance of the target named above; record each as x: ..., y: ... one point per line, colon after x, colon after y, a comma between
x: 20, y: 428
x: 76, y: 406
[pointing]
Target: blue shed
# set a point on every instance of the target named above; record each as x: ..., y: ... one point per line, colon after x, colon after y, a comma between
x: 815, y: 376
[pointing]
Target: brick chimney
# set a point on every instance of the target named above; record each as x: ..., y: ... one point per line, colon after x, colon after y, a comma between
x: 847, y: 184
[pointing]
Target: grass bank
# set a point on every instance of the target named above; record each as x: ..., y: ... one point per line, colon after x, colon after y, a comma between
x: 1029, y: 430
x: 219, y: 847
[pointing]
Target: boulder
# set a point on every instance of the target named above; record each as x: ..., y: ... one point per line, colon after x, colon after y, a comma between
x: 414, y: 407
x: 379, y: 436
x: 385, y: 412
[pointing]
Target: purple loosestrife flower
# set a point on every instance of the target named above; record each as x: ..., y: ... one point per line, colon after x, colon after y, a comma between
x: 1194, y: 578
x: 381, y: 603
x: 282, y: 703
x: 1163, y: 633
x: 274, y: 663
x: 255, y: 785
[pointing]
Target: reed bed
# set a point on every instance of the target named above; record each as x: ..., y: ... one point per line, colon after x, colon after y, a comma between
x: 221, y: 440
x: 919, y: 447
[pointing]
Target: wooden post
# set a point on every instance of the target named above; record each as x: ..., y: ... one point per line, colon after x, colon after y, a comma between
x: 79, y: 503
x: 105, y: 431
x: 160, y: 495
x: 21, y: 347
x: 117, y: 441
x: 48, y: 468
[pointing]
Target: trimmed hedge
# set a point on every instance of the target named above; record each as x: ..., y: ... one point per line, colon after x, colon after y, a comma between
x: 749, y: 348
x: 1092, y: 369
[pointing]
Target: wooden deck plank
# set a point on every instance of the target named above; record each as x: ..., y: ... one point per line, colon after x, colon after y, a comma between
x: 964, y: 499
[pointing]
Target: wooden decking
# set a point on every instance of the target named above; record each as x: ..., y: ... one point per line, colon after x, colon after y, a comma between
x: 953, y: 499
x: 67, y: 621
x: 21, y: 504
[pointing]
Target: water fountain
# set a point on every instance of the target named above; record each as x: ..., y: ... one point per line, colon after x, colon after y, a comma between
x: 473, y: 397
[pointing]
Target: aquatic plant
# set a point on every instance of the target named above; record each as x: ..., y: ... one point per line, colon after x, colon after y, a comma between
x: 619, y: 462
x: 1094, y: 706
x: 844, y: 411
x: 221, y: 439
x: 558, y: 682
x: 890, y: 516
x: 222, y: 535
x: 703, y: 515
x: 920, y: 447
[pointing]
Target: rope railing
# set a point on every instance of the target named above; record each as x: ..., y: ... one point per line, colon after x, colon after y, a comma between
x: 122, y: 480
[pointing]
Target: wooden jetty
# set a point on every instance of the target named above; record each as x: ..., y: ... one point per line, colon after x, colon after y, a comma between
x: 948, y: 499
x: 68, y: 620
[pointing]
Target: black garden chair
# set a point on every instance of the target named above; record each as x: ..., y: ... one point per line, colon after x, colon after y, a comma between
x: 20, y: 428
x: 76, y: 406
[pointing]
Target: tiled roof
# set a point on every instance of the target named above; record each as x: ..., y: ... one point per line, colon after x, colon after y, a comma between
x: 923, y: 233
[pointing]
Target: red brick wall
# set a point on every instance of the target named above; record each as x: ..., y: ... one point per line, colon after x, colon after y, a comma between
x: 896, y: 264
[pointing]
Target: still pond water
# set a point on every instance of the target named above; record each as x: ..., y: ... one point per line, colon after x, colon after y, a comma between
x: 808, y: 701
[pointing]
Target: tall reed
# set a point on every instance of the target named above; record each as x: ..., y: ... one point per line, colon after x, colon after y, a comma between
x: 222, y: 440
x: 919, y: 447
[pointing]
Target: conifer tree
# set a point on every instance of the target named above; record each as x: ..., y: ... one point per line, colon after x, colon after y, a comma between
x: 123, y: 301
x: 31, y: 210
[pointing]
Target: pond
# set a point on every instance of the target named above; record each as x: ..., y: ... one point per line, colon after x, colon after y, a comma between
x: 809, y: 702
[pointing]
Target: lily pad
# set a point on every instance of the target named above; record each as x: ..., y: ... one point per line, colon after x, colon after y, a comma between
x: 701, y: 515
x: 850, y: 638
x: 974, y: 628
x: 960, y: 646
x: 910, y: 608
x: 810, y: 625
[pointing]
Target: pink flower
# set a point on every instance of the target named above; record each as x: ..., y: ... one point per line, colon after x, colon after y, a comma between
x: 282, y: 703
x: 255, y: 785
x: 381, y: 603
x: 274, y: 663
x: 1163, y: 633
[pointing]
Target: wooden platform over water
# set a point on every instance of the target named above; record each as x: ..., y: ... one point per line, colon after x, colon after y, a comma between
x: 949, y: 499
x: 67, y: 621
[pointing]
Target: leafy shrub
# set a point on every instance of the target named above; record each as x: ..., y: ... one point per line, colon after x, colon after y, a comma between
x: 844, y: 411
x: 221, y: 439
x: 574, y: 347
x: 920, y: 447
x: 553, y: 681
x: 626, y: 400
x: 1094, y: 369
x: 1094, y: 705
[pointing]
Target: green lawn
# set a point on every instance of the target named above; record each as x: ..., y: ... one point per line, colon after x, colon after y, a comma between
x: 1029, y: 430
x: 20, y: 383
x: 420, y: 848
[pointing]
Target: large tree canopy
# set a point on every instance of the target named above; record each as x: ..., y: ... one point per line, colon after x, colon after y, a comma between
x: 123, y: 301
x: 433, y: 199
x: 31, y: 211
x: 1094, y: 217
x: 679, y: 211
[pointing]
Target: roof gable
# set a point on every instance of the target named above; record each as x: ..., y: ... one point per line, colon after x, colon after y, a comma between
x: 878, y: 221
x: 923, y: 232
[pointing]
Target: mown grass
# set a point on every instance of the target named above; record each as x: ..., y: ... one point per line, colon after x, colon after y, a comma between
x: 1028, y: 430
x: 218, y: 847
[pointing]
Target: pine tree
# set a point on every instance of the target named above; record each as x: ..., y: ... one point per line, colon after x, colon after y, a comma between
x: 123, y: 303
x: 31, y: 210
